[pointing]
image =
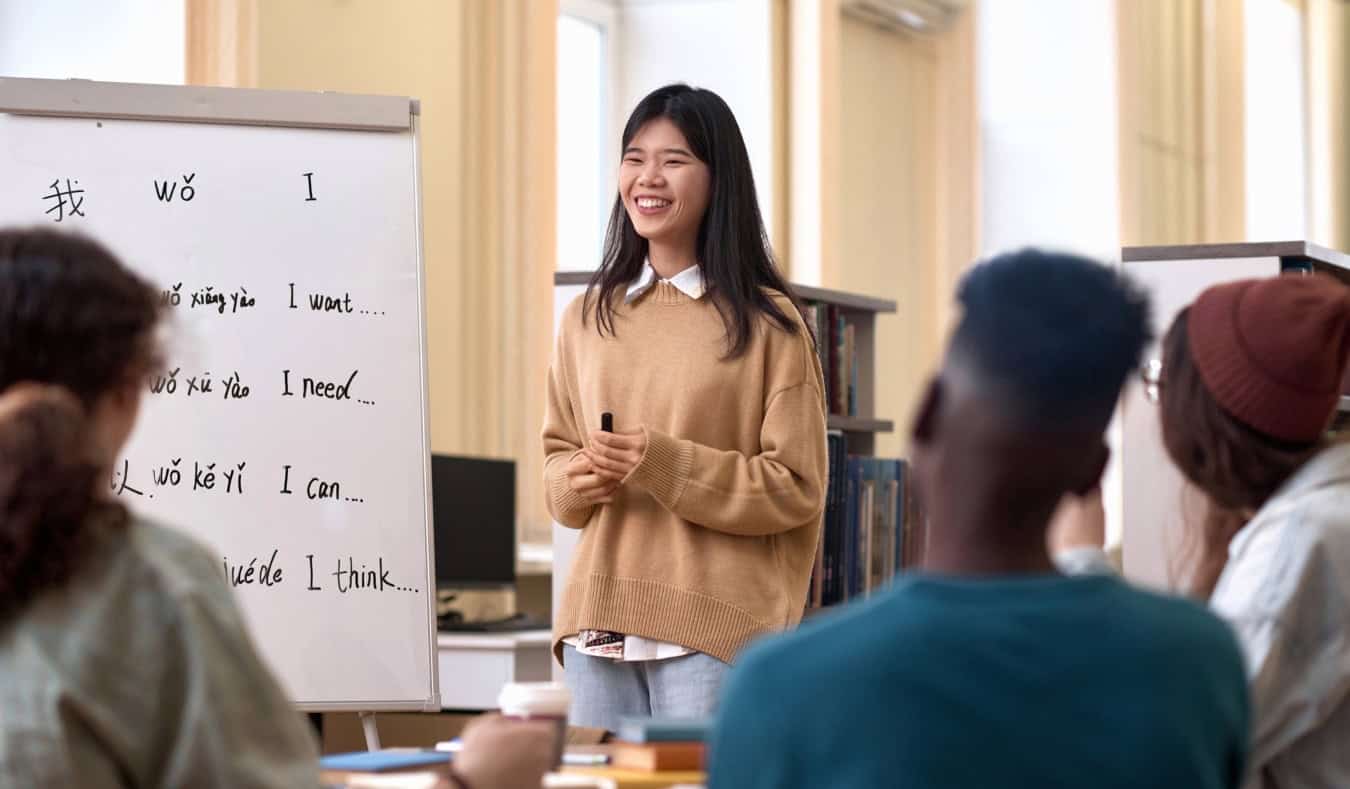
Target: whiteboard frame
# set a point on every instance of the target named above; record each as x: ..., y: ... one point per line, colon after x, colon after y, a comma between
x: 78, y: 98
x: 82, y: 98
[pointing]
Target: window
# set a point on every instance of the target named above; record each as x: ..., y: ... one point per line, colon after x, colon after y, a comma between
x: 585, y: 158
x: 127, y: 41
x: 1275, y: 162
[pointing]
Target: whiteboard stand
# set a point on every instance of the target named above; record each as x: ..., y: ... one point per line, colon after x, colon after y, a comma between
x: 371, y: 731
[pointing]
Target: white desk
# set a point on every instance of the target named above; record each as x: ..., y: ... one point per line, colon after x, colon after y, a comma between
x: 474, y: 666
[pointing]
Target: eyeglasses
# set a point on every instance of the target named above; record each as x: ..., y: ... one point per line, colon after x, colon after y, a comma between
x: 1151, y: 376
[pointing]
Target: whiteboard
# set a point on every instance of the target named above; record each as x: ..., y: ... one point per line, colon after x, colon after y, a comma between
x: 289, y: 259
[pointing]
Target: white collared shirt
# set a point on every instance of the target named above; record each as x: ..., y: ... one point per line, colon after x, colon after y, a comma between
x: 689, y: 282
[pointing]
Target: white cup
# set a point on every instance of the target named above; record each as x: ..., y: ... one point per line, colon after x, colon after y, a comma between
x: 546, y: 701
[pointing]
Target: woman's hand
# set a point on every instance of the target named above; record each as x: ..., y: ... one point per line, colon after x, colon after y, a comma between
x: 498, y: 753
x: 1080, y: 522
x: 583, y: 478
x: 615, y: 455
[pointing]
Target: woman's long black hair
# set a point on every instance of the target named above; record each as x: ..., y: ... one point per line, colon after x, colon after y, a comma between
x: 733, y: 249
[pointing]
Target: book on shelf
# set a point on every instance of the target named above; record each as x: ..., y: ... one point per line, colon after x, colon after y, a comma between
x: 836, y: 344
x: 873, y: 525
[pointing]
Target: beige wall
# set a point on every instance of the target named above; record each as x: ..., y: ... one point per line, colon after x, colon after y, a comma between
x: 888, y: 239
x: 903, y: 186
x: 484, y: 72
x: 1327, y: 46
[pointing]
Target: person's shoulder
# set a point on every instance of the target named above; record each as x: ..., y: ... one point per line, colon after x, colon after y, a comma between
x: 860, y: 634
x: 181, y: 564
x: 575, y: 311
x: 786, y: 305
x: 781, y: 343
x: 1177, y: 626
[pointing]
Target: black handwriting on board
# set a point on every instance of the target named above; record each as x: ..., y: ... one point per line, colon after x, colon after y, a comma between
x: 312, y: 587
x: 68, y: 197
x: 234, y: 388
x: 309, y: 185
x: 121, y: 481
x: 317, y: 489
x: 266, y: 573
x: 208, y: 298
x: 372, y: 579
x: 204, y: 478
x: 351, y: 579
x: 331, y: 302
x: 327, y: 390
x: 167, y: 384
x: 165, y: 190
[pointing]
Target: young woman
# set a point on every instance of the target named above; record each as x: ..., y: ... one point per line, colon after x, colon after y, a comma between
x: 124, y: 660
x: 1251, y: 377
x: 700, y: 511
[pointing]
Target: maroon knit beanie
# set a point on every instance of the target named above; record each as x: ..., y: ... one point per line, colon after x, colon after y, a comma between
x: 1273, y: 351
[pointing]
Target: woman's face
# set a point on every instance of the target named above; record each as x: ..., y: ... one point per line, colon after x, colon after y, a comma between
x: 664, y: 187
x: 112, y: 419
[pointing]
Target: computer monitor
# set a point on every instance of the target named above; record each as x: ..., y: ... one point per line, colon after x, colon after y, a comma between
x: 474, y: 516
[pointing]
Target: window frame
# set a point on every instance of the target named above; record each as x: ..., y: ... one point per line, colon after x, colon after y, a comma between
x: 607, y: 16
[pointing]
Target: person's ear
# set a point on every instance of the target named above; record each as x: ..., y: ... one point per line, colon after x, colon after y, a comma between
x: 1093, y: 470
x: 128, y: 392
x: 924, y: 428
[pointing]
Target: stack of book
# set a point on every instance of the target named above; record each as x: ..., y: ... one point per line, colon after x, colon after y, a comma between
x: 659, y: 744
x: 874, y: 527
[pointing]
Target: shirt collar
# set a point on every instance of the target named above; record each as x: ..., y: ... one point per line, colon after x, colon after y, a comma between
x: 689, y: 282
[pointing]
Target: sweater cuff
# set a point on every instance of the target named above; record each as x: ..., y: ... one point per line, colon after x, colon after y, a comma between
x: 664, y: 468
x: 564, y: 498
x: 1083, y: 560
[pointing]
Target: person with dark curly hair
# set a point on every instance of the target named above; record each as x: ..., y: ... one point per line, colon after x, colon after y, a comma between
x: 124, y: 658
x: 988, y: 668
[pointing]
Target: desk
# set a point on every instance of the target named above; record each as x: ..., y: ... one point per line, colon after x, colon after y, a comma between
x: 474, y: 666
x: 640, y: 779
x: 627, y: 778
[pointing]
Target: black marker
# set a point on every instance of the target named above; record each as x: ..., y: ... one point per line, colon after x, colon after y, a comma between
x: 607, y: 422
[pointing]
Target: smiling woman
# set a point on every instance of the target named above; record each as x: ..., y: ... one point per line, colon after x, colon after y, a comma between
x: 700, y: 511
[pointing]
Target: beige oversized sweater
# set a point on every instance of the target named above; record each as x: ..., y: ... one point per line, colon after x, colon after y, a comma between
x: 710, y: 540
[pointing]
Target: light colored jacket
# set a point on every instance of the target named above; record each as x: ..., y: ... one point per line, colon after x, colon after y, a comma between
x: 1286, y: 591
x: 139, y: 672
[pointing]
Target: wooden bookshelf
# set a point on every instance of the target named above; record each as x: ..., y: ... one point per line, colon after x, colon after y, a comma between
x: 857, y: 424
x: 860, y: 312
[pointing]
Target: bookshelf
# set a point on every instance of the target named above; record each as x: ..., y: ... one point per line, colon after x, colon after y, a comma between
x: 859, y: 312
